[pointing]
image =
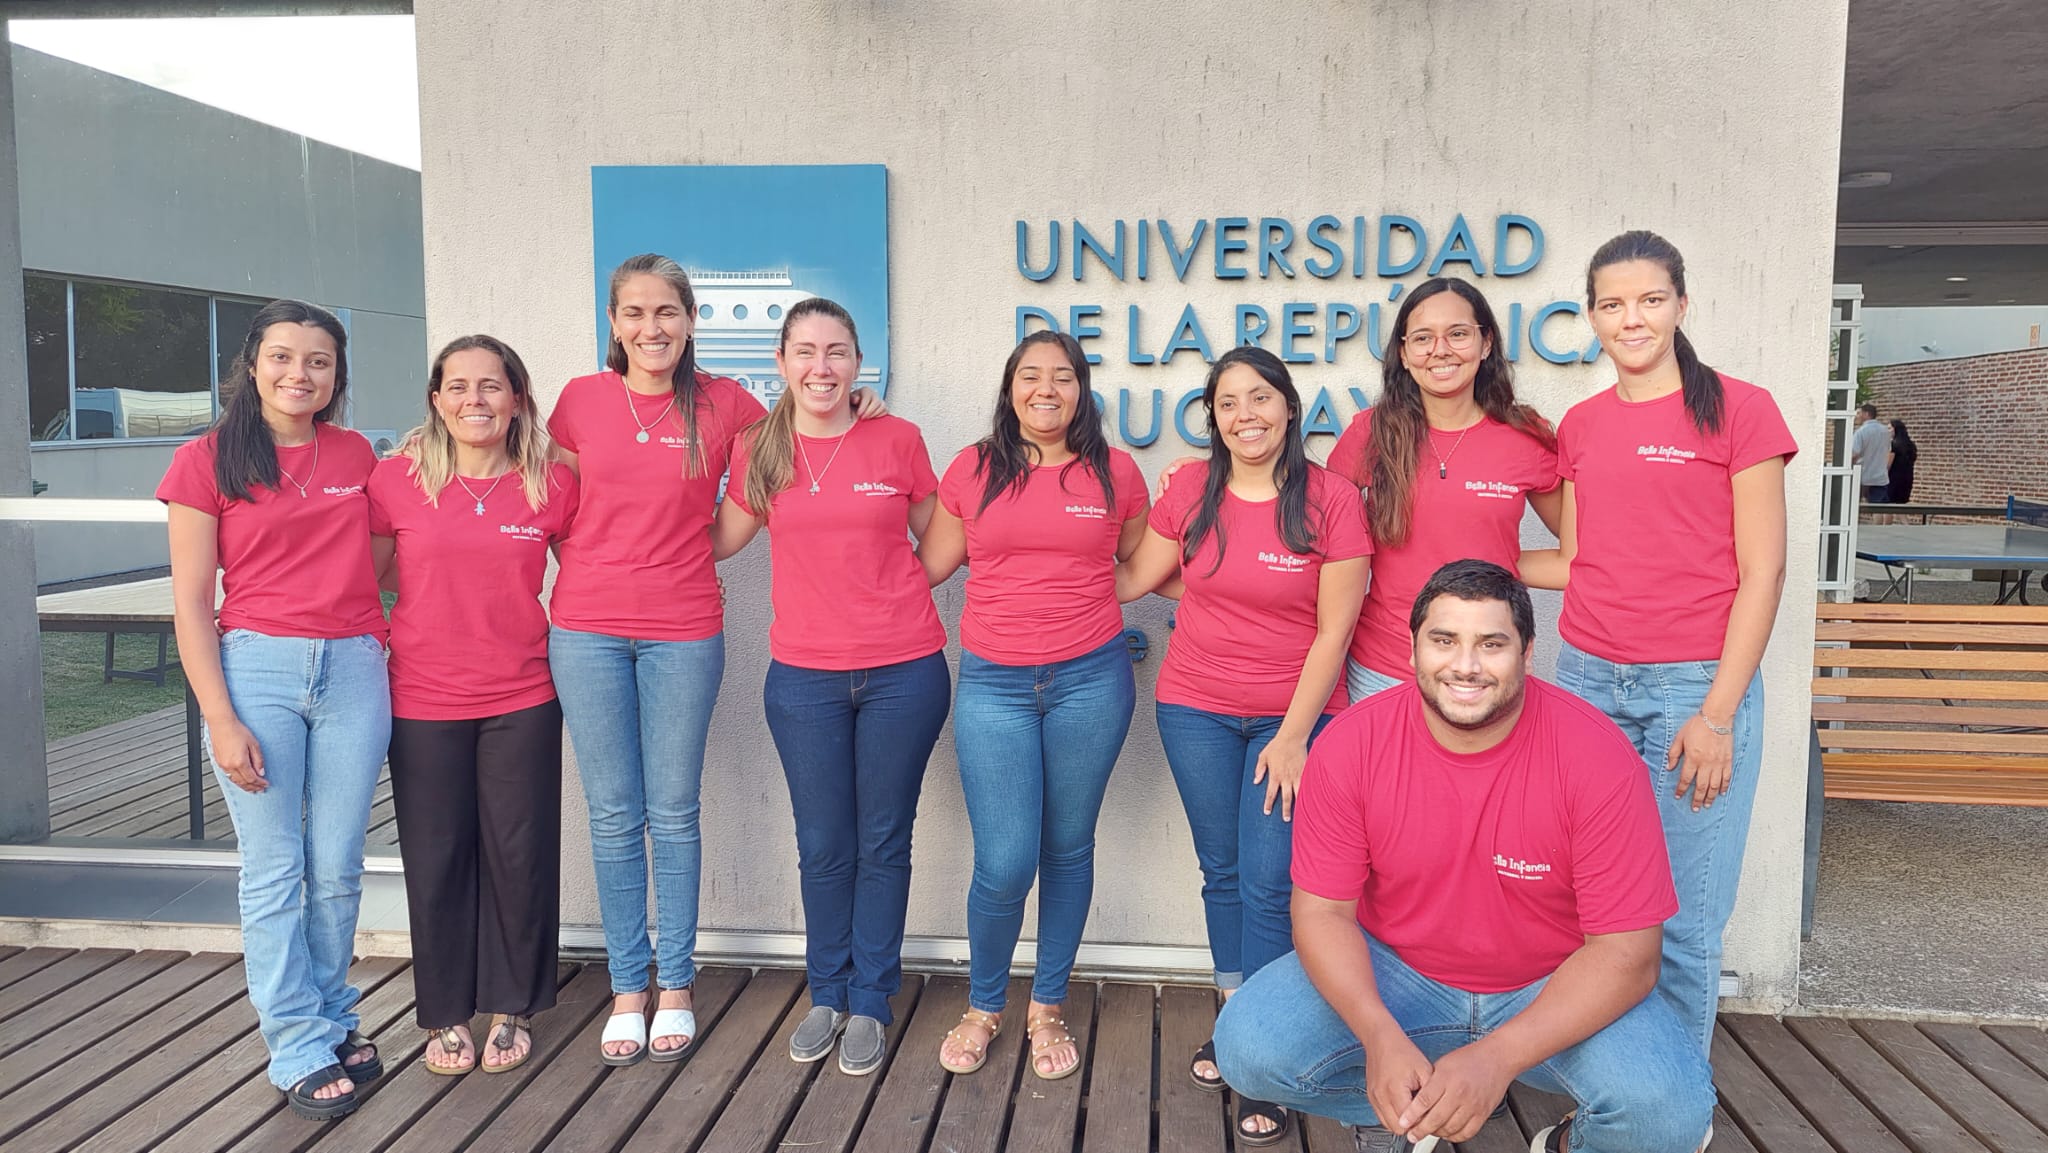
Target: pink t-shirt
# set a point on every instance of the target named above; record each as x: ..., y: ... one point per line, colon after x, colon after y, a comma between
x: 291, y: 565
x: 1041, y: 576
x: 1483, y: 871
x: 469, y: 638
x: 1655, y: 576
x: 1243, y: 631
x: 1474, y: 512
x: 848, y: 590
x: 640, y: 563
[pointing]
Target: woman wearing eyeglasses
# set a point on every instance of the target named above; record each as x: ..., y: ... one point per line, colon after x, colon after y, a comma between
x: 1448, y: 459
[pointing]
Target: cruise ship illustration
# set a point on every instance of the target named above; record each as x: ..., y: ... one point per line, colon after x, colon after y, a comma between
x: 739, y: 319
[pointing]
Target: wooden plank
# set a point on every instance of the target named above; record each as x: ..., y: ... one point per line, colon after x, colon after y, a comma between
x: 1189, y: 1118
x: 907, y: 1104
x: 1496, y: 1136
x: 690, y: 1105
x: 1986, y: 1115
x: 228, y: 1087
x: 1894, y: 713
x: 1757, y: 1105
x: 2015, y: 1082
x: 1840, y: 1117
x: 149, y: 720
x: 2027, y: 1042
x: 54, y: 997
x: 1958, y: 660
x: 1941, y: 634
x: 1891, y: 611
x: 1536, y: 1110
x: 80, y: 1025
x: 831, y: 1114
x: 2028, y: 745
x: 977, y: 1108
x: 1047, y: 1116
x: 28, y: 962
x: 1728, y: 1136
x: 767, y: 1095
x: 1120, y: 1084
x: 1921, y: 1123
x: 1327, y: 1135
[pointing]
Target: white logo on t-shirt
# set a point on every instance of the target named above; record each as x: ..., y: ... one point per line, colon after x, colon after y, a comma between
x: 1088, y: 511
x: 668, y: 441
x: 1517, y: 869
x: 342, y: 489
x: 524, y: 532
x: 1493, y: 489
x: 1283, y: 562
x: 875, y: 488
x: 1664, y: 454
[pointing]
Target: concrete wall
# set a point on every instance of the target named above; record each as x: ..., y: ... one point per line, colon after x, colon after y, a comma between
x: 1897, y: 335
x: 121, y: 181
x: 1717, y: 126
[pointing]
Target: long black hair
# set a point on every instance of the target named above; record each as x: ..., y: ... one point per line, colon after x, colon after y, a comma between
x: 1399, y: 427
x: 1004, y: 458
x: 1290, y: 472
x: 245, y: 453
x: 1702, y: 385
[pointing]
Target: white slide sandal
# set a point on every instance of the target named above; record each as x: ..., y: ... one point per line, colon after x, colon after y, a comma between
x: 624, y: 1027
x: 673, y: 1023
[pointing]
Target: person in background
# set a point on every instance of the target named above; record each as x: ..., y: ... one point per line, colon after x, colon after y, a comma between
x: 1268, y: 553
x: 1674, y: 530
x: 462, y: 516
x: 1870, y: 449
x: 857, y: 686
x: 1898, y: 487
x: 1041, y: 510
x: 290, y: 680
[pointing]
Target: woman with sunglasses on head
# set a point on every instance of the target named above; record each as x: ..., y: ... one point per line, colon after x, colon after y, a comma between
x: 1271, y: 554
x: 1041, y: 510
x: 462, y: 516
x: 290, y: 680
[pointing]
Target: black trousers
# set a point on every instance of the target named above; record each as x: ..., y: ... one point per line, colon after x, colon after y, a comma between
x: 479, y: 807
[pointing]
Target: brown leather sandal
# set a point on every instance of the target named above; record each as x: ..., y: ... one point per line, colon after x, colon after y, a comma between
x: 993, y: 1022
x: 505, y: 1030
x: 1050, y: 1019
x: 451, y: 1043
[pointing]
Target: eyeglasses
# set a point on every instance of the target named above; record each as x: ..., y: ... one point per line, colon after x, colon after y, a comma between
x: 1461, y: 338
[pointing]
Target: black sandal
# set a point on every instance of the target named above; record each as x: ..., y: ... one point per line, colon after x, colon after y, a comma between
x: 362, y: 1072
x: 300, y: 1096
x: 1248, y: 1108
x: 1206, y: 1053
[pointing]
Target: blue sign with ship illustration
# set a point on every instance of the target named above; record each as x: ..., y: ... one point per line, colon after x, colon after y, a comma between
x: 755, y: 240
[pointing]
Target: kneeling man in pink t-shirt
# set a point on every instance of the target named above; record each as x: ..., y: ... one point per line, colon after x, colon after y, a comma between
x: 1479, y: 885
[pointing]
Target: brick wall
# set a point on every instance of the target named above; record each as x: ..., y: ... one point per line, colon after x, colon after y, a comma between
x: 1981, y: 423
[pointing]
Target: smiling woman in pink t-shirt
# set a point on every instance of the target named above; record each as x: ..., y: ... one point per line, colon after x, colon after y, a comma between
x: 1271, y: 555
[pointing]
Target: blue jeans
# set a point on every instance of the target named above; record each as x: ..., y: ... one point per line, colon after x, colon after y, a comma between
x: 639, y: 713
x: 1245, y: 853
x: 1036, y: 744
x: 1361, y: 682
x: 1640, y: 1085
x: 320, y: 711
x: 853, y: 747
x: 1650, y: 703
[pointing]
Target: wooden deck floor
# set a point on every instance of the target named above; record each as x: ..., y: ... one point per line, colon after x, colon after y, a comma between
x: 128, y: 781
x: 120, y: 1052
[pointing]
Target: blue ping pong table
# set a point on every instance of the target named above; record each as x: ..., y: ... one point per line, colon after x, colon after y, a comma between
x: 2017, y: 547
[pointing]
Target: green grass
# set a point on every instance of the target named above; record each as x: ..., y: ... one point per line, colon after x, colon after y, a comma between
x: 74, y: 700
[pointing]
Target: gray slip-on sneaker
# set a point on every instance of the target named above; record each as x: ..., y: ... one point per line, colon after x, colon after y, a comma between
x: 1373, y: 1139
x: 862, y: 1048
x: 813, y: 1038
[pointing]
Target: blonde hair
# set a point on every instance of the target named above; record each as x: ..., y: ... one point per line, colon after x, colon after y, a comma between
x: 684, y: 377
x: 771, y: 441
x: 431, y: 448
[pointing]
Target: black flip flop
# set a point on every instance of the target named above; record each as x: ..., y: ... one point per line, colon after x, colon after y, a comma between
x: 1248, y: 1108
x: 300, y: 1096
x: 368, y: 1070
x: 1206, y: 1053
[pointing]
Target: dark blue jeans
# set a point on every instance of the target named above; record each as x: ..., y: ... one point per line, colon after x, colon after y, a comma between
x: 1245, y: 852
x: 854, y: 747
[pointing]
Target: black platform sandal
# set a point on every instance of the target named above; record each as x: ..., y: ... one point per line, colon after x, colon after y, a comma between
x: 362, y: 1072
x: 300, y: 1096
x: 1248, y: 1108
x: 1206, y: 1053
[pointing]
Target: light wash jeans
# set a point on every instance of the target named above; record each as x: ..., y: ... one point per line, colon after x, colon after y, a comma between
x: 1036, y: 744
x: 1361, y: 682
x: 1640, y: 1085
x: 1650, y: 703
x: 320, y: 711
x: 639, y: 714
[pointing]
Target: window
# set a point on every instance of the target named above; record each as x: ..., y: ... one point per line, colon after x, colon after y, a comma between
x: 49, y: 357
x: 230, y: 327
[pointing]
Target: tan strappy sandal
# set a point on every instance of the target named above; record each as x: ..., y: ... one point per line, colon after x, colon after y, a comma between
x: 1050, y: 1019
x: 505, y: 1038
x: 452, y: 1043
x: 993, y: 1022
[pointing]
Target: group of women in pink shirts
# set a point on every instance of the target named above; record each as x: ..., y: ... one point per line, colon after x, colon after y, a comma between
x: 1293, y: 582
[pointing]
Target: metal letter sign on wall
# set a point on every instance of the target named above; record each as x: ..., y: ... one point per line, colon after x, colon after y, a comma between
x: 755, y: 239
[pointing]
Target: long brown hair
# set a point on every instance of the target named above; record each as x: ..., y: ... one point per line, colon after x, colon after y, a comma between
x: 684, y: 378
x: 431, y: 448
x: 1399, y: 426
x: 771, y: 441
x: 1291, y: 513
x: 245, y: 451
x: 1004, y: 457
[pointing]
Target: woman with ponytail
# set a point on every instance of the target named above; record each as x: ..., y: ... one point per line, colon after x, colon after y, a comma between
x: 290, y: 679
x: 857, y: 685
x: 1674, y: 531
x: 1270, y: 552
x: 1449, y: 460
x: 1041, y: 510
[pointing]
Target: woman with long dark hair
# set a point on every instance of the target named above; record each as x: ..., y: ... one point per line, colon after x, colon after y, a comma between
x: 857, y: 683
x: 290, y: 679
x: 1674, y: 528
x: 1041, y: 510
x: 462, y: 516
x: 1271, y: 553
x: 1449, y: 460
x: 1905, y: 455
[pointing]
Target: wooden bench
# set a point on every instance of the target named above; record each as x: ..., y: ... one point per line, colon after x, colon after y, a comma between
x: 1943, y: 703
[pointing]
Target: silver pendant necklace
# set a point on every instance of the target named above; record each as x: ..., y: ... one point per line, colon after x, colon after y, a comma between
x: 1443, y: 462
x: 633, y: 411
x: 819, y: 475
x: 495, y: 482
x: 309, y: 472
